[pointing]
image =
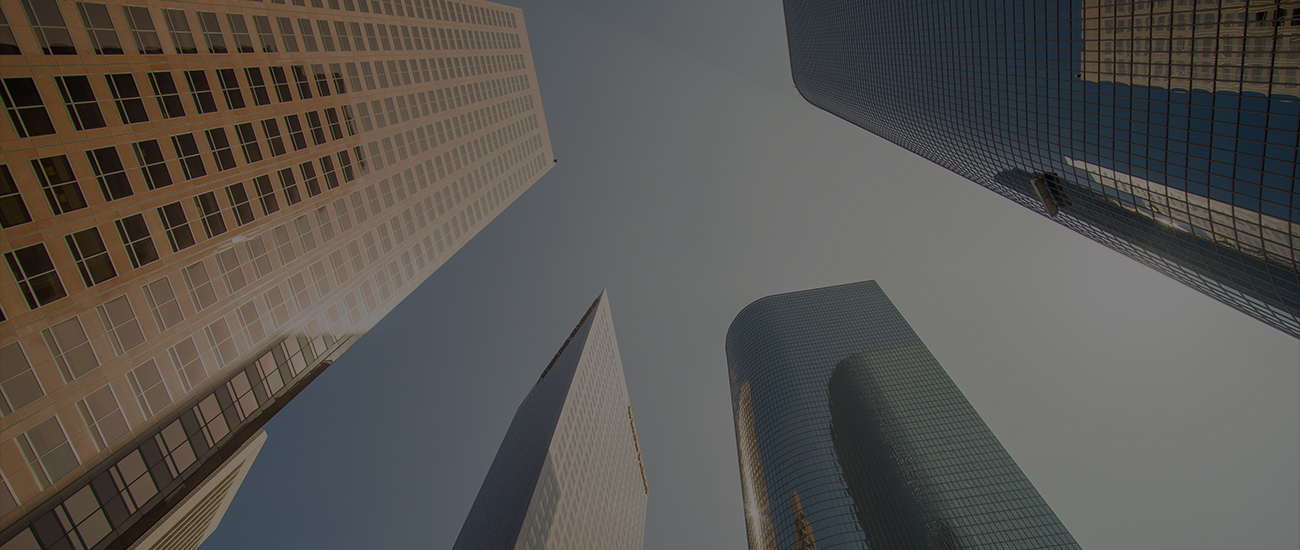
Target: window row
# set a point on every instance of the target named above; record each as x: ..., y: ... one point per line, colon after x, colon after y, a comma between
x: 102, y: 25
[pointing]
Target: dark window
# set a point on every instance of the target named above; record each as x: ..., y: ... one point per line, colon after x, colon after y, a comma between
x: 281, y: 81
x: 239, y: 32
x: 142, y: 30
x: 230, y: 88
x: 179, y: 28
x: 308, y: 36
x: 169, y: 98
x: 152, y: 164
x: 211, y: 27
x: 48, y: 26
x: 322, y: 79
x: 109, y: 172
x: 13, y: 211
x: 341, y: 29
x: 248, y: 142
x: 290, y: 186
x: 265, y: 194
x: 91, y: 256
x: 210, y: 214
x: 257, y: 86
x: 345, y: 165
x: 349, y: 121
x: 26, y: 110
x: 8, y: 42
x: 220, y: 146
x: 300, y: 78
x: 272, y: 130
x: 353, y: 76
x: 187, y: 150
x: 327, y: 170
x: 286, y: 34
x: 103, y: 37
x: 264, y: 33
x: 309, y: 179
x: 332, y: 117
x: 60, y: 185
x: 201, y: 91
x: 35, y: 274
x: 127, y: 98
x: 176, y: 226
x: 80, y: 101
x: 326, y: 39
x: 239, y: 203
x: 336, y: 71
x: 317, y: 130
x: 135, y: 238
x: 294, y: 127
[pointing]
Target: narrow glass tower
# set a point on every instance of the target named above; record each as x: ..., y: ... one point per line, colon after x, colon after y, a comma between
x: 851, y: 435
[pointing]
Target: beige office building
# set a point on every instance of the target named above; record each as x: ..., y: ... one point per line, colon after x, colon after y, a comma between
x: 203, y: 204
x: 1211, y: 45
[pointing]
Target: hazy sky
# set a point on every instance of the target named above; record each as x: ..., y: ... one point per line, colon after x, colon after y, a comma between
x: 693, y: 180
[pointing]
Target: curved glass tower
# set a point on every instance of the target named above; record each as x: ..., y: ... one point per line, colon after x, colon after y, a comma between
x: 1164, y: 129
x: 851, y: 435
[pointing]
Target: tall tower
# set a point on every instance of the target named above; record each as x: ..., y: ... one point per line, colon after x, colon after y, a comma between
x: 203, y: 204
x: 569, y: 473
x: 1165, y: 130
x: 842, y: 413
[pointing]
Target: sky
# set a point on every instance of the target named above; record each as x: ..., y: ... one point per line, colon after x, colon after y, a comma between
x: 692, y: 180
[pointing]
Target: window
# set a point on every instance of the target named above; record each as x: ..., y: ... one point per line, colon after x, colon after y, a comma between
x: 341, y: 211
x: 18, y: 385
x: 326, y: 39
x: 239, y: 204
x: 300, y: 78
x: 91, y: 256
x: 47, y: 451
x: 13, y: 211
x: 305, y: 236
x: 281, y: 80
x: 239, y: 32
x: 109, y: 172
x: 290, y: 186
x: 152, y: 164
x: 103, y: 37
x: 231, y: 272
x: 199, y: 286
x: 323, y: 222
x: 336, y: 129
x: 265, y: 194
x: 210, y: 214
x: 337, y: 71
x: 322, y: 79
x: 309, y: 178
x: 230, y: 88
x: 142, y: 30
x: 296, y: 137
x: 185, y: 358
x: 35, y: 274
x: 187, y: 150
x: 201, y: 91
x: 70, y: 348
x: 257, y: 86
x: 150, y: 390
x: 135, y: 238
x: 264, y: 33
x: 179, y: 28
x: 272, y: 131
x: 26, y: 109
x: 103, y: 417
x: 317, y: 131
x: 258, y: 256
x: 380, y: 72
x: 341, y: 29
x: 8, y: 43
x: 286, y: 34
x: 48, y: 26
x: 177, y: 226
x: 308, y: 35
x: 60, y: 185
x: 220, y: 145
x: 120, y: 324
x: 130, y: 108
x: 162, y: 304
x: 80, y: 101
x: 353, y: 76
x: 358, y: 207
x: 349, y: 120
x: 345, y: 164
x: 169, y: 98
x: 248, y: 142
x: 211, y: 28
x: 283, y: 244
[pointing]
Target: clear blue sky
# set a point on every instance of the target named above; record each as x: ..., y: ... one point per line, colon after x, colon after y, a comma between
x: 693, y: 180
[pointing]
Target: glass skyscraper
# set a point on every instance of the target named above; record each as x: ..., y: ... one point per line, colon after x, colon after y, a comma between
x: 1165, y: 129
x: 851, y: 435
x: 569, y: 473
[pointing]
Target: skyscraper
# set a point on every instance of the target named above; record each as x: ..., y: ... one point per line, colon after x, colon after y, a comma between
x: 204, y: 203
x: 1164, y: 129
x: 569, y: 473
x: 851, y: 435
